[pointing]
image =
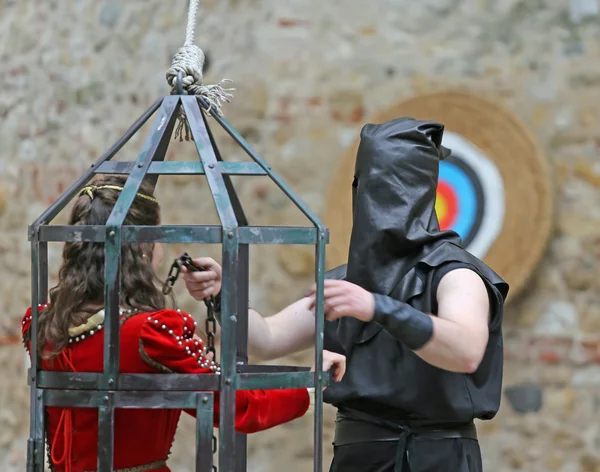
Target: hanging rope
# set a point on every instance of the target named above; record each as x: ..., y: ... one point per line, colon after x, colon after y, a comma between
x: 189, y: 61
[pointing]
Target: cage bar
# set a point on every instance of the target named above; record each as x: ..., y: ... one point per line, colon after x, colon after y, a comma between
x: 209, y: 234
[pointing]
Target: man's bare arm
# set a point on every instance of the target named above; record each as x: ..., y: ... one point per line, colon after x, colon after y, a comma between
x: 460, y: 329
x: 291, y: 330
x: 454, y: 340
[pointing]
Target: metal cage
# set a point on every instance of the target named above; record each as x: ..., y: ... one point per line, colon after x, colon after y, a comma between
x: 110, y: 389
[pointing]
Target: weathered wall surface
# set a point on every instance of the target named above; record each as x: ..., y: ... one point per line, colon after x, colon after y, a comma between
x: 75, y: 74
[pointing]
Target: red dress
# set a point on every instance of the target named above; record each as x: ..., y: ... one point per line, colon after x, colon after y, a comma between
x: 159, y: 342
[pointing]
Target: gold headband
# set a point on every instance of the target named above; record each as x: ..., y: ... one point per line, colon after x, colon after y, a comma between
x: 89, y: 191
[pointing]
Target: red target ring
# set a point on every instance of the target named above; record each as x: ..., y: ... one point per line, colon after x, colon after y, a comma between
x: 446, y: 205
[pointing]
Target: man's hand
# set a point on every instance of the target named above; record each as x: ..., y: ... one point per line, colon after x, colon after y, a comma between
x: 345, y: 299
x: 203, y: 284
x: 335, y: 362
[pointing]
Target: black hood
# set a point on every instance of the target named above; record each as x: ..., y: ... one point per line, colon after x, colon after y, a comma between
x: 396, y: 239
x: 393, y: 202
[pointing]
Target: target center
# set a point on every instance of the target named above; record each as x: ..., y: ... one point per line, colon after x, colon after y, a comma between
x: 446, y: 206
x: 441, y: 208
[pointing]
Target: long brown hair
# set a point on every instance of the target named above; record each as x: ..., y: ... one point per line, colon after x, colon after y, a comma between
x: 81, y: 277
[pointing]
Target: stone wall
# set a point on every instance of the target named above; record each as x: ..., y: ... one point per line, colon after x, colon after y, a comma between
x: 75, y: 74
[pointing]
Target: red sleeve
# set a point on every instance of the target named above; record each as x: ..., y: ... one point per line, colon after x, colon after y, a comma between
x: 168, y: 345
x: 25, y: 325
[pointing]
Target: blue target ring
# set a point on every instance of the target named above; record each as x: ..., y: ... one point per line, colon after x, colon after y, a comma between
x: 466, y: 194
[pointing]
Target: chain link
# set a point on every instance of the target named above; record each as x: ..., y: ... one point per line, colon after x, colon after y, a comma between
x: 214, y: 451
x: 210, y: 324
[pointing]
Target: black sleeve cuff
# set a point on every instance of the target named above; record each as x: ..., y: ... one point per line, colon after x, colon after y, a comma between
x: 408, y: 325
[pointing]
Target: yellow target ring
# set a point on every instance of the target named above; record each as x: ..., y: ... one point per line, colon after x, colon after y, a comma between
x: 441, y: 208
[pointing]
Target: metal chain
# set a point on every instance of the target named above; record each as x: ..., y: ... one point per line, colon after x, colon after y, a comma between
x: 211, y: 327
x: 210, y: 324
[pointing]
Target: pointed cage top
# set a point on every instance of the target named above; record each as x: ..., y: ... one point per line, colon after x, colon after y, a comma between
x: 150, y: 164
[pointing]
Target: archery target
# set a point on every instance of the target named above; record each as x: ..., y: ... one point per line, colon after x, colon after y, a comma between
x: 470, y: 195
x: 495, y: 190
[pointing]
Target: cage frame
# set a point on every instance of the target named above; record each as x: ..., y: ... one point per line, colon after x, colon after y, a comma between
x: 110, y: 389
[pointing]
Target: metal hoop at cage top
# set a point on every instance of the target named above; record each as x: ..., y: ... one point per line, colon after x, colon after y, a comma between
x: 179, y: 90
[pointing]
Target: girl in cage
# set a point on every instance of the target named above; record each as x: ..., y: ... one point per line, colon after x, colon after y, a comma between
x: 153, y: 339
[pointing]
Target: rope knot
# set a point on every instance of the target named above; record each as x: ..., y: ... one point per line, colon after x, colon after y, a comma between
x: 189, y: 61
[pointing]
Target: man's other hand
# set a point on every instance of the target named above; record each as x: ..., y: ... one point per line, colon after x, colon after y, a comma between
x: 345, y: 299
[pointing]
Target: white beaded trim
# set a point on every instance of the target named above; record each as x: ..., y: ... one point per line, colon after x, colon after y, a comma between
x: 81, y: 337
x: 188, y: 340
x: 28, y: 318
x: 40, y: 308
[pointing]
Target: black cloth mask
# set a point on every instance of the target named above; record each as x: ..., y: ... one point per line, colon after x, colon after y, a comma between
x: 393, y: 202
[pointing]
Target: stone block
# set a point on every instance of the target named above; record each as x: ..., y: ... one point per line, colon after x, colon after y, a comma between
x: 555, y: 375
x: 560, y: 403
x: 524, y: 398
x: 548, y: 282
x: 527, y: 314
x: 580, y: 273
x: 560, y: 318
x: 589, y: 309
x: 590, y: 462
x: 588, y: 376
x: 297, y: 261
x: 109, y: 14
x: 347, y: 106
x: 578, y: 226
x: 3, y: 200
x: 553, y: 460
x: 565, y: 438
x: 582, y: 9
x: 589, y: 171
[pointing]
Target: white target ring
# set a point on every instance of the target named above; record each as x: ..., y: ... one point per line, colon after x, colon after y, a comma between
x: 473, y: 182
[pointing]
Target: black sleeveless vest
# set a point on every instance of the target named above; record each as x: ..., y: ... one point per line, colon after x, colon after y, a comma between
x: 396, y: 247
